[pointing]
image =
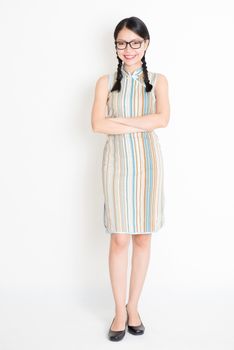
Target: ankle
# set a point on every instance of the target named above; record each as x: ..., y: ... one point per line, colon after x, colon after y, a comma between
x: 131, y: 307
x: 120, y: 311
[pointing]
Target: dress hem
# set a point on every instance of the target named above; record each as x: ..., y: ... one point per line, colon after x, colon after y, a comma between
x: 135, y: 233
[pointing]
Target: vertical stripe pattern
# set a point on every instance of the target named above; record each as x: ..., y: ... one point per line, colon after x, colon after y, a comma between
x: 132, y: 164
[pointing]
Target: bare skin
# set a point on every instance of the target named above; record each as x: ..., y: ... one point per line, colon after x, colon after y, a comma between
x: 119, y: 243
x: 120, y: 125
x: 118, y: 263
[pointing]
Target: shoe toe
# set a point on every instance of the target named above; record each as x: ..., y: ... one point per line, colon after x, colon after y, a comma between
x: 136, y: 329
x: 116, y: 335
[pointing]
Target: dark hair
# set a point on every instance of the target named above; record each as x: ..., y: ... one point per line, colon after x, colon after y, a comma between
x: 137, y: 26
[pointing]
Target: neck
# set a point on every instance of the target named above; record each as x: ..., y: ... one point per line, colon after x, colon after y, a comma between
x: 131, y: 69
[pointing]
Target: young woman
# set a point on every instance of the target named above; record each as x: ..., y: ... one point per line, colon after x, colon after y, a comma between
x: 132, y: 167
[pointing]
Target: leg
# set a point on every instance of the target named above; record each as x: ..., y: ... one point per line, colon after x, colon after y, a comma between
x: 140, y: 261
x: 118, y: 262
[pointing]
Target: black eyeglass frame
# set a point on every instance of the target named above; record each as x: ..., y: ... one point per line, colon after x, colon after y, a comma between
x: 128, y: 42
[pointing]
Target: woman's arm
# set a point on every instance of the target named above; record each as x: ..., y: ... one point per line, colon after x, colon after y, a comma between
x: 107, y: 126
x: 148, y: 122
x: 99, y: 121
x: 160, y: 119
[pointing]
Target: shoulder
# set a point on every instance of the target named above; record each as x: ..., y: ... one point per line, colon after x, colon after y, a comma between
x: 102, y: 83
x: 101, y: 86
x: 161, y: 78
x: 105, y: 77
x: 158, y: 76
x: 105, y: 81
x: 102, y: 80
x: 161, y: 82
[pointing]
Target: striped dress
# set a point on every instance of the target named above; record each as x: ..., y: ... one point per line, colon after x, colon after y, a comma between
x: 132, y: 163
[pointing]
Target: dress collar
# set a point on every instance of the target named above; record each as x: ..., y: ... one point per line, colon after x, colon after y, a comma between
x: 137, y: 72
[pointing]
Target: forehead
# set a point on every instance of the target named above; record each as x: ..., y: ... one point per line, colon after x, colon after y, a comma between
x: 127, y: 34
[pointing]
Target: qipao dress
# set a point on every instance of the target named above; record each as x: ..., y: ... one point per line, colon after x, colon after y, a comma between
x: 132, y: 163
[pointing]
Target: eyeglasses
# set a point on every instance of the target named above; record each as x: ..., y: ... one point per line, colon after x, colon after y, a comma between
x: 134, y: 44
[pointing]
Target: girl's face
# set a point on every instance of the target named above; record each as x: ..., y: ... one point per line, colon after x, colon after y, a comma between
x: 131, y: 56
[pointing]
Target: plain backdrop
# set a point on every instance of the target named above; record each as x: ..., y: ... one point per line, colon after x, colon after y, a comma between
x: 55, y: 290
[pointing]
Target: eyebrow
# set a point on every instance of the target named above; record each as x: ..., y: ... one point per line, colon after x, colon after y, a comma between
x: 130, y: 40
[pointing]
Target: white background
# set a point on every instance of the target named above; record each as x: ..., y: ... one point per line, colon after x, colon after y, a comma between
x: 54, y: 285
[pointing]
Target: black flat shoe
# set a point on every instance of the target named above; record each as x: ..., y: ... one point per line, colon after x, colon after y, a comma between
x: 117, y: 335
x: 136, y: 330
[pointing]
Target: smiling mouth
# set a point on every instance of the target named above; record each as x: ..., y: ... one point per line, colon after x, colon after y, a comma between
x: 129, y: 57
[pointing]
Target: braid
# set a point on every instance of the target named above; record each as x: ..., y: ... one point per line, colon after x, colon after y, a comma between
x: 146, y: 78
x: 117, y: 85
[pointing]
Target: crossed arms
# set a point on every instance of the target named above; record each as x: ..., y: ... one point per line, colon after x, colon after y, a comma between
x: 121, y: 125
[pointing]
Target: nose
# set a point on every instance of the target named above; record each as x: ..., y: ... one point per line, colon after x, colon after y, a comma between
x: 128, y: 49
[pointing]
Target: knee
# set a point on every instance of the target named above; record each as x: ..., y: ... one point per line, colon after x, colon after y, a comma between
x: 142, y: 240
x: 119, y: 241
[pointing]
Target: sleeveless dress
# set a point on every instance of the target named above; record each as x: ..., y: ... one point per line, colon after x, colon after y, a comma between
x: 132, y: 163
